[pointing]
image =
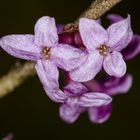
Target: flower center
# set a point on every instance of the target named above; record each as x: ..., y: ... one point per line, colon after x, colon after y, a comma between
x: 103, y: 50
x: 70, y: 28
x: 46, y: 52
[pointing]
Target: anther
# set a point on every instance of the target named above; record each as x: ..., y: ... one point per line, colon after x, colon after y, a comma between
x: 103, y: 50
x: 46, y: 52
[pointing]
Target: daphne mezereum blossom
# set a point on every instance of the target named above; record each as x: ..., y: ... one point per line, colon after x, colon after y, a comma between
x: 102, y: 48
x: 44, y: 48
x: 79, y: 99
x: 110, y: 86
x: 133, y: 48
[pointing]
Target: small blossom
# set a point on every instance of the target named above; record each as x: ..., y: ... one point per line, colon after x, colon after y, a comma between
x: 79, y: 100
x: 109, y: 85
x: 44, y: 48
x: 133, y: 48
x: 103, y: 49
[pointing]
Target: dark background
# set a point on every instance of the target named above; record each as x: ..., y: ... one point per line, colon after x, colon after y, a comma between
x: 28, y: 113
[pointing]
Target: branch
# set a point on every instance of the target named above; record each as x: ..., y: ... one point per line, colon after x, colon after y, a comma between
x: 18, y: 75
x: 98, y: 8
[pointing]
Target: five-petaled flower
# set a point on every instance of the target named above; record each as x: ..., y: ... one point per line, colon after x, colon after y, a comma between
x: 102, y: 49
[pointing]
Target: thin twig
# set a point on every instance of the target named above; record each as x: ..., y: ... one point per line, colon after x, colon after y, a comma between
x: 98, y: 8
x: 17, y: 76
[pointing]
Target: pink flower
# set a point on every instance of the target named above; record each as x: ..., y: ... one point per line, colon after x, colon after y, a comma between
x: 79, y: 99
x: 102, y: 49
x: 71, y: 109
x: 44, y: 48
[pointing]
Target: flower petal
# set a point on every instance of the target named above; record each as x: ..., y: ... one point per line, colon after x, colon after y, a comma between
x: 69, y: 114
x: 21, y: 46
x: 59, y: 28
x: 100, y: 114
x: 94, y: 99
x: 92, y: 33
x: 48, y: 74
x: 75, y: 89
x: 113, y: 18
x: 46, y: 32
x: 114, y: 86
x: 114, y: 64
x: 120, y: 34
x: 67, y: 57
x: 56, y: 95
x: 133, y: 48
x: 88, y: 69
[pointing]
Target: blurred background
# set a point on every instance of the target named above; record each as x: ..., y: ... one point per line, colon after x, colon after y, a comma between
x: 28, y: 113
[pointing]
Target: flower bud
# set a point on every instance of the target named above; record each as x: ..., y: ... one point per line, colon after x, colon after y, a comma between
x: 66, y: 38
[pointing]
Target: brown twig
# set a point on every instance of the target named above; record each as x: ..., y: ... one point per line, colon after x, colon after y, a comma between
x: 17, y: 76
x: 98, y: 8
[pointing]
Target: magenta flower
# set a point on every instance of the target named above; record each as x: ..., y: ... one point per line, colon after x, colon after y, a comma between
x: 79, y: 99
x: 109, y: 85
x: 102, y: 49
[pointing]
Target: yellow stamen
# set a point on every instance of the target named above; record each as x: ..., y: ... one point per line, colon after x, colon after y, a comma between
x: 46, y: 52
x: 103, y: 50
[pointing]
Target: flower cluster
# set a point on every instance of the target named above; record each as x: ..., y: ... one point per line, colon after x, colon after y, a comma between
x: 81, y: 51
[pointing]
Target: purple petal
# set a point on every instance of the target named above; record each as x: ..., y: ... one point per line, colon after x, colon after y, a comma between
x: 120, y: 34
x: 88, y: 69
x: 48, y: 74
x: 94, y: 99
x: 21, y: 46
x: 113, y: 18
x: 46, y: 32
x: 67, y: 57
x: 92, y: 33
x: 75, y: 89
x: 133, y: 48
x: 114, y: 64
x: 93, y: 85
x: 69, y: 114
x: 60, y: 28
x: 56, y: 95
x: 114, y: 86
x: 99, y: 21
x: 100, y: 114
